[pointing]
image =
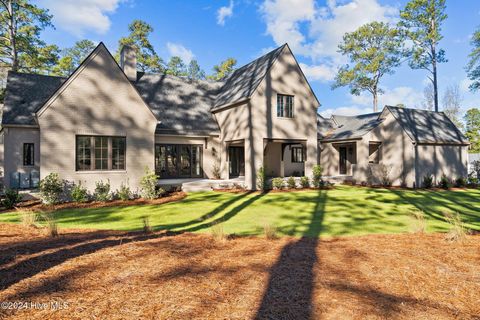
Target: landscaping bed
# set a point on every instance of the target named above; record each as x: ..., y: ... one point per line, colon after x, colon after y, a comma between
x: 118, y: 275
x: 38, y: 206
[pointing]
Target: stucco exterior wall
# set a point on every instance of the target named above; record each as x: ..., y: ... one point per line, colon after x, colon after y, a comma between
x: 210, y: 149
x: 98, y: 100
x: 13, y: 141
x: 256, y: 120
x: 291, y: 167
x: 396, y: 151
x: 451, y: 160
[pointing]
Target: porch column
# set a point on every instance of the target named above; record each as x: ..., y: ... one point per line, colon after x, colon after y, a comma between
x: 253, y: 161
x: 361, y: 169
x: 312, y: 155
x: 223, y: 160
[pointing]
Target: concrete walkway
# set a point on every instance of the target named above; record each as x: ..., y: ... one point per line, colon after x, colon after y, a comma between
x: 199, y: 184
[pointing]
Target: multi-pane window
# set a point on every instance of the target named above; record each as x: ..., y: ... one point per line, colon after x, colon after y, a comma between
x: 178, y: 160
x: 284, y: 106
x: 28, y: 154
x: 297, y: 154
x: 100, y: 153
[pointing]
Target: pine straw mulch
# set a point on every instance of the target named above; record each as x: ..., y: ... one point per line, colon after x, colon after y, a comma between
x: 115, y: 275
x: 38, y: 206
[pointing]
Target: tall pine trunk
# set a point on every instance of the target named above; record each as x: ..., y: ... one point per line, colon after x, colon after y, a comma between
x: 13, y: 33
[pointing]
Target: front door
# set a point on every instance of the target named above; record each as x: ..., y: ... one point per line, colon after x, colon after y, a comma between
x: 236, y: 161
x: 343, y: 160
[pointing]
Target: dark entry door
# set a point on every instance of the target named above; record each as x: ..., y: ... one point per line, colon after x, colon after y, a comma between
x: 236, y: 161
x: 343, y: 160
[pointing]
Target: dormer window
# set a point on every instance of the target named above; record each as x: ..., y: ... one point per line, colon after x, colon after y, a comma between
x: 284, y: 106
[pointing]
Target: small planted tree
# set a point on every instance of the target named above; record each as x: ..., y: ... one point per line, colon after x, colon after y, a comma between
x: 148, y: 185
x: 51, y: 188
x: 261, y: 179
x: 317, y: 176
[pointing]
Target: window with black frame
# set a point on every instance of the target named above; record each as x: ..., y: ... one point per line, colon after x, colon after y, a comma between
x: 297, y: 155
x: 284, y: 106
x: 100, y: 153
x: 178, y: 161
x: 28, y: 154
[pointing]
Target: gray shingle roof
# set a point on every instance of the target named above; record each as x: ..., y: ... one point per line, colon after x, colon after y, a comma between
x: 241, y: 84
x: 182, y: 106
x: 427, y: 126
x: 351, y: 127
x: 25, y: 94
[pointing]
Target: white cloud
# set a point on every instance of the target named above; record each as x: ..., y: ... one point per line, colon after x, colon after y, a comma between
x: 224, y: 12
x: 399, y: 95
x: 79, y: 16
x: 315, y: 32
x: 345, y: 111
x: 319, y: 72
x: 176, y: 49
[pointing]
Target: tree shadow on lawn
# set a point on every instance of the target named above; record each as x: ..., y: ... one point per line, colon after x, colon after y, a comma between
x: 289, y: 292
x: 435, y: 203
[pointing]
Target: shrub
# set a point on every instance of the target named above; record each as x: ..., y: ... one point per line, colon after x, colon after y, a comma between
x: 217, y: 232
x: 148, y: 185
x: 317, y: 176
x: 102, y: 191
x: 291, y: 183
x: 147, y: 229
x: 216, y: 169
x: 29, y: 218
x: 261, y: 179
x: 124, y: 193
x: 419, y: 224
x: 277, y: 183
x: 269, y: 231
x: 79, y: 193
x: 460, y: 182
x: 457, y: 231
x: 51, y: 188
x: 12, y: 197
x: 52, y: 226
x: 444, y: 182
x: 385, y: 171
x: 473, y: 182
x: 427, y: 181
x: 305, y: 182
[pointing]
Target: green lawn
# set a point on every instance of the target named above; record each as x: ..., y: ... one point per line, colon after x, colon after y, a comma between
x: 340, y: 211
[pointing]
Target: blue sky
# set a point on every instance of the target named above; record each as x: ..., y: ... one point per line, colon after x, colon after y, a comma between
x: 211, y: 31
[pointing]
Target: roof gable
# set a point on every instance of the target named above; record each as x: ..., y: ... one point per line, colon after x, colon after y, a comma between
x: 87, y: 63
x: 424, y: 126
x: 351, y: 127
x: 243, y: 82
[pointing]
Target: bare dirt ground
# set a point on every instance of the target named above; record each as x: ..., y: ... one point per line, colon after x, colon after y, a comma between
x: 115, y: 275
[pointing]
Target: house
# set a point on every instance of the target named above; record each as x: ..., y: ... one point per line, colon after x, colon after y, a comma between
x: 107, y: 121
x: 398, y: 144
x: 473, y: 158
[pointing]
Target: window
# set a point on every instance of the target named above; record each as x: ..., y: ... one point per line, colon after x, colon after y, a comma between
x: 178, y: 160
x: 297, y: 154
x: 284, y: 106
x: 100, y: 153
x: 28, y: 154
x: 374, y: 152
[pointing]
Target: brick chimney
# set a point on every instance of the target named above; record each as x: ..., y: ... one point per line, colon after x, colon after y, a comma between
x: 128, y: 62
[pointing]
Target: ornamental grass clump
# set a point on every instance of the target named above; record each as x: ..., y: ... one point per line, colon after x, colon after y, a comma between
x: 419, y: 224
x: 52, y: 227
x: 457, y: 231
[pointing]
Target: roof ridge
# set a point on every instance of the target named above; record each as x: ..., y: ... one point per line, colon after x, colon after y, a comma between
x: 36, y: 74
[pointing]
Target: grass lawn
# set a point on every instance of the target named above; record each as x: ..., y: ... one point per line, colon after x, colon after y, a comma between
x: 341, y: 211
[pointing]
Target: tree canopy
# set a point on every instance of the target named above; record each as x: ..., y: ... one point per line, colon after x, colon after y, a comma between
x: 224, y: 69
x: 147, y: 58
x: 194, y: 72
x: 72, y: 57
x: 374, y: 50
x: 473, y: 66
x: 472, y: 129
x: 421, y: 21
x: 21, y: 48
x: 176, y: 67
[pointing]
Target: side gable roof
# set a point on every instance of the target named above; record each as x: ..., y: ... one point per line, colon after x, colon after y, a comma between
x: 351, y: 127
x: 100, y: 47
x: 25, y: 93
x: 243, y: 82
x: 424, y: 126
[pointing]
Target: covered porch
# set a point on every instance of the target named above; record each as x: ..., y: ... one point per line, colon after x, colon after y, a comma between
x: 284, y: 157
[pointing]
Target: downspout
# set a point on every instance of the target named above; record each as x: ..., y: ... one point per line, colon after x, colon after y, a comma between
x: 415, y: 165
